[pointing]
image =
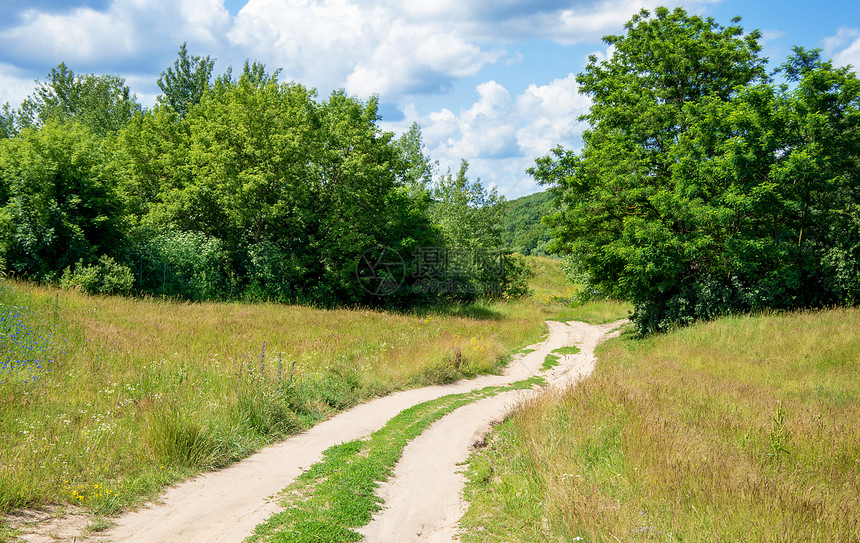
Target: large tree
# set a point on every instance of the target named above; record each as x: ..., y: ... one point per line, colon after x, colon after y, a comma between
x: 59, y: 200
x: 702, y: 187
x: 103, y: 103
x: 184, y: 84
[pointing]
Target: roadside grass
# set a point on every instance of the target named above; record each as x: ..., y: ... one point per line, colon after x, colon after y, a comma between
x: 337, y: 494
x: 105, y: 400
x: 743, y: 429
x: 597, y: 312
x: 549, y: 285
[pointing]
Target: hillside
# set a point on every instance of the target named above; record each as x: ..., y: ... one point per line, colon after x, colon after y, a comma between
x: 522, y: 229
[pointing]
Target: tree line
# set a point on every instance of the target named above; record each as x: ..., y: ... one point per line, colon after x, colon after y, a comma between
x: 706, y: 184
x: 233, y: 187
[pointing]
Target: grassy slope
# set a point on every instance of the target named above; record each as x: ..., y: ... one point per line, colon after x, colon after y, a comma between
x: 745, y: 429
x: 134, y: 394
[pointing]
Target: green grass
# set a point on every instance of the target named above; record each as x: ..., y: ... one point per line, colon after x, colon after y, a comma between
x: 597, y: 312
x: 573, y: 349
x: 550, y: 361
x: 337, y: 494
x: 120, y: 397
x: 743, y: 429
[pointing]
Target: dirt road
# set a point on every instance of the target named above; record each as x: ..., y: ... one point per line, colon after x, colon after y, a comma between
x: 422, y: 499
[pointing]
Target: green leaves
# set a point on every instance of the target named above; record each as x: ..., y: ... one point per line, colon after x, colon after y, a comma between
x: 101, y: 102
x: 62, y: 206
x: 184, y: 84
x: 702, y: 187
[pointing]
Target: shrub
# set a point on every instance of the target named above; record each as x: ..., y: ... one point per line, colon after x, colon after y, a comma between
x: 107, y: 276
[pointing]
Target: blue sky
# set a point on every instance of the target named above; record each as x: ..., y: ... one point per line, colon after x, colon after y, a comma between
x: 488, y: 81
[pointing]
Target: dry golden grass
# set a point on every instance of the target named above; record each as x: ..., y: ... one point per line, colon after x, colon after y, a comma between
x: 745, y: 429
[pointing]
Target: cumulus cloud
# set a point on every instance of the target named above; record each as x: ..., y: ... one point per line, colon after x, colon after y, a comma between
x: 501, y: 135
x: 124, y: 35
x: 397, y: 48
x: 16, y: 85
x: 364, y: 48
x: 844, y: 47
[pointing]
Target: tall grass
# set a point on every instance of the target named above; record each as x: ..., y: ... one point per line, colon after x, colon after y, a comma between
x: 745, y: 429
x: 103, y: 400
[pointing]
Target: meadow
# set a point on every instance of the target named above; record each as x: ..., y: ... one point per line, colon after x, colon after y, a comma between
x: 742, y: 429
x: 104, y: 400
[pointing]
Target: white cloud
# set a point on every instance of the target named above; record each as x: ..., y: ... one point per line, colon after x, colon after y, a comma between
x: 397, y: 48
x: 122, y: 34
x: 15, y: 84
x: 551, y: 113
x: 364, y: 48
x: 501, y: 135
x: 82, y: 35
x: 844, y: 47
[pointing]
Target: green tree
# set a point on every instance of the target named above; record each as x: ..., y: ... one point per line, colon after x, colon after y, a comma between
x: 523, y: 229
x: 184, y: 85
x: 469, y: 219
x: 417, y: 167
x: 468, y: 214
x: 62, y: 204
x: 8, y: 122
x: 702, y: 188
x: 294, y: 189
x: 101, y: 102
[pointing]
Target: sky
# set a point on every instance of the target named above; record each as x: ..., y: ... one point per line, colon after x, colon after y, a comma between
x: 489, y: 81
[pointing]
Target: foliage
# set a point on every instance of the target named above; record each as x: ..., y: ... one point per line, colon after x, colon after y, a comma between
x: 468, y: 214
x: 186, y: 265
x: 523, y: 229
x: 8, y: 122
x: 237, y: 188
x: 469, y: 217
x: 104, y: 277
x: 60, y: 205
x: 184, y: 85
x: 263, y: 166
x: 101, y: 102
x: 417, y: 168
x: 703, y: 188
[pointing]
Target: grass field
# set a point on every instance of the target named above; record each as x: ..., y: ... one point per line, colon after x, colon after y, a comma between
x: 743, y: 429
x: 103, y: 400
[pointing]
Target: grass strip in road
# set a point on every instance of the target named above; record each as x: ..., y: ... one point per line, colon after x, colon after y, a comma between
x: 552, y: 360
x: 337, y: 494
x: 567, y: 350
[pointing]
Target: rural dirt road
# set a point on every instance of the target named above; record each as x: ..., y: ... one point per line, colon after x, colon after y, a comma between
x: 422, y: 499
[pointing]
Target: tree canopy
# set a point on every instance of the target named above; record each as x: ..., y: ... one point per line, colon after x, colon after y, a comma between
x: 703, y: 187
x: 232, y: 188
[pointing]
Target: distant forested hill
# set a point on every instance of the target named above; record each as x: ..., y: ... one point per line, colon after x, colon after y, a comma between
x: 522, y: 229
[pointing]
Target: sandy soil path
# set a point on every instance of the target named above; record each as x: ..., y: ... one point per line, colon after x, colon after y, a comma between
x: 226, y: 505
x: 423, y: 500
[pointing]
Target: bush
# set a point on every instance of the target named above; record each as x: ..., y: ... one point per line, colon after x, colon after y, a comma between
x: 187, y: 265
x: 107, y: 276
x: 272, y: 274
